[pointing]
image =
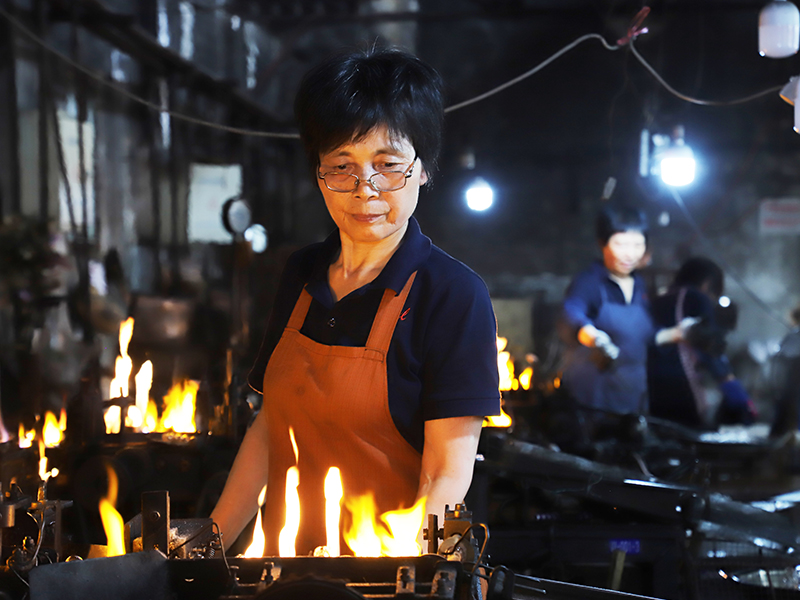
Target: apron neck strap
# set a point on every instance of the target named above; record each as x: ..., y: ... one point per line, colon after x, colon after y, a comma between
x: 385, y: 320
x: 388, y: 313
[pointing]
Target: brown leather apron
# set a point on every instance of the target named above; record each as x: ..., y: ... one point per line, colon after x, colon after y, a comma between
x: 336, y: 400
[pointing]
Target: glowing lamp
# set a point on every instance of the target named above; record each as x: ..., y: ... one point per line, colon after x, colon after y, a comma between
x: 678, y: 165
x: 479, y: 195
x: 778, y: 29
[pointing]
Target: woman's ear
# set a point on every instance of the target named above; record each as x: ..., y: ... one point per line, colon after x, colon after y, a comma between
x: 423, y: 176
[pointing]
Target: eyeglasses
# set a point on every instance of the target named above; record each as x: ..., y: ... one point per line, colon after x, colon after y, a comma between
x: 385, y: 181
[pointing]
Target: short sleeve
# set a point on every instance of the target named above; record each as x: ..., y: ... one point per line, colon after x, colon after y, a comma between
x: 459, y: 373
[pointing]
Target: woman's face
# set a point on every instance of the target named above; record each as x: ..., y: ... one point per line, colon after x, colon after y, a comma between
x: 366, y: 215
x: 623, y: 252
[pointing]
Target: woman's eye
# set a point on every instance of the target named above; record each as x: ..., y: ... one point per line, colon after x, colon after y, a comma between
x: 387, y: 166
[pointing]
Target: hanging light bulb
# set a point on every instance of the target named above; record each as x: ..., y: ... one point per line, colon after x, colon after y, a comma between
x: 673, y: 160
x: 678, y: 165
x: 779, y: 29
x: 479, y: 194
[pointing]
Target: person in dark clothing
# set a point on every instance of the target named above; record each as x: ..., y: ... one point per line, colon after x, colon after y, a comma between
x: 608, y: 323
x: 675, y: 372
x: 786, y: 379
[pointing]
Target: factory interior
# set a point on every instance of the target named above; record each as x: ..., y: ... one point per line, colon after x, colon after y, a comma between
x: 153, y: 186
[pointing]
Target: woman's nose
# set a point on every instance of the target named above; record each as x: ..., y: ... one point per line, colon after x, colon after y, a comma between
x: 366, y: 189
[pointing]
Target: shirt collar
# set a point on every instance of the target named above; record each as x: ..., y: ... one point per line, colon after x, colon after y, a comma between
x: 412, y: 252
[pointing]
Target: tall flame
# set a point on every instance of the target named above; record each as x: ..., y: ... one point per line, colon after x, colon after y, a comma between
x: 505, y: 368
x: 51, y: 431
x: 287, y: 536
x: 124, y: 364
x: 44, y: 474
x: 286, y: 539
x: 112, y: 520
x: 333, y: 509
x: 179, y: 405
x: 143, y: 381
x: 256, y: 547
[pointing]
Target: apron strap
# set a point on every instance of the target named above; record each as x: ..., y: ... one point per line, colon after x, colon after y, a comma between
x: 388, y: 313
x: 300, y: 311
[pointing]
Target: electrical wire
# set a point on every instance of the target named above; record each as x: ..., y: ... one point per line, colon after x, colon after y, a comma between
x: 214, y: 525
x: 279, y: 135
x: 725, y: 265
x: 699, y: 101
x: 532, y: 71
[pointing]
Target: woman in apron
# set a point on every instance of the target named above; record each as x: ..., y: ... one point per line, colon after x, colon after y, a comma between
x: 380, y: 355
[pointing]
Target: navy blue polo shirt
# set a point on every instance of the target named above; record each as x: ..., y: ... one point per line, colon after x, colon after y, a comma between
x: 442, y: 360
x: 584, y: 296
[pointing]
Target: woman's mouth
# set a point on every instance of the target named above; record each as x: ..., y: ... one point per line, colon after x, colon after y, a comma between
x: 366, y: 218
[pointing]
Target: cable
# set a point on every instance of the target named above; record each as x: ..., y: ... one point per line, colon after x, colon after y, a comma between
x: 131, y: 96
x: 530, y: 72
x: 269, y: 134
x: 222, y: 548
x: 699, y: 101
x: 725, y: 265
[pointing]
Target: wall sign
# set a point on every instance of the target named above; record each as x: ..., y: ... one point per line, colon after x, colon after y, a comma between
x: 779, y: 216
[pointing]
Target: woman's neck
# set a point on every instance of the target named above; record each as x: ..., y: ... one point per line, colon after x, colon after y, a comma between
x: 625, y: 283
x: 359, y: 263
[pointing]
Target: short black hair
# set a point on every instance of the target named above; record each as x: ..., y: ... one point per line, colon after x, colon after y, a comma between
x: 619, y: 219
x: 351, y: 93
x: 697, y: 271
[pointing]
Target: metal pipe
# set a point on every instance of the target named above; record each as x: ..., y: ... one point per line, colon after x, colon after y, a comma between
x: 44, y: 163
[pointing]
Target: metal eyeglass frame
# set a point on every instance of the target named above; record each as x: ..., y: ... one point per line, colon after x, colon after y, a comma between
x: 406, y: 174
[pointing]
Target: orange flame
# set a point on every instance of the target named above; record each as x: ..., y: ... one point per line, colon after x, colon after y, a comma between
x: 112, y: 520
x: 525, y: 378
x: 179, y: 405
x: 134, y: 419
x: 26, y: 437
x: 150, y: 417
x: 333, y: 509
x: 143, y: 381
x: 395, y: 534
x: 123, y: 365
x: 62, y: 419
x: 505, y: 367
x: 288, y: 534
x: 113, y: 419
x: 256, y: 547
x: 501, y: 420
x: 44, y: 474
x: 51, y: 432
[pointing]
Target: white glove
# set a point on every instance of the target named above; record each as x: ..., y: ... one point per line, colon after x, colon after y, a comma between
x: 673, y: 335
x: 603, y: 342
